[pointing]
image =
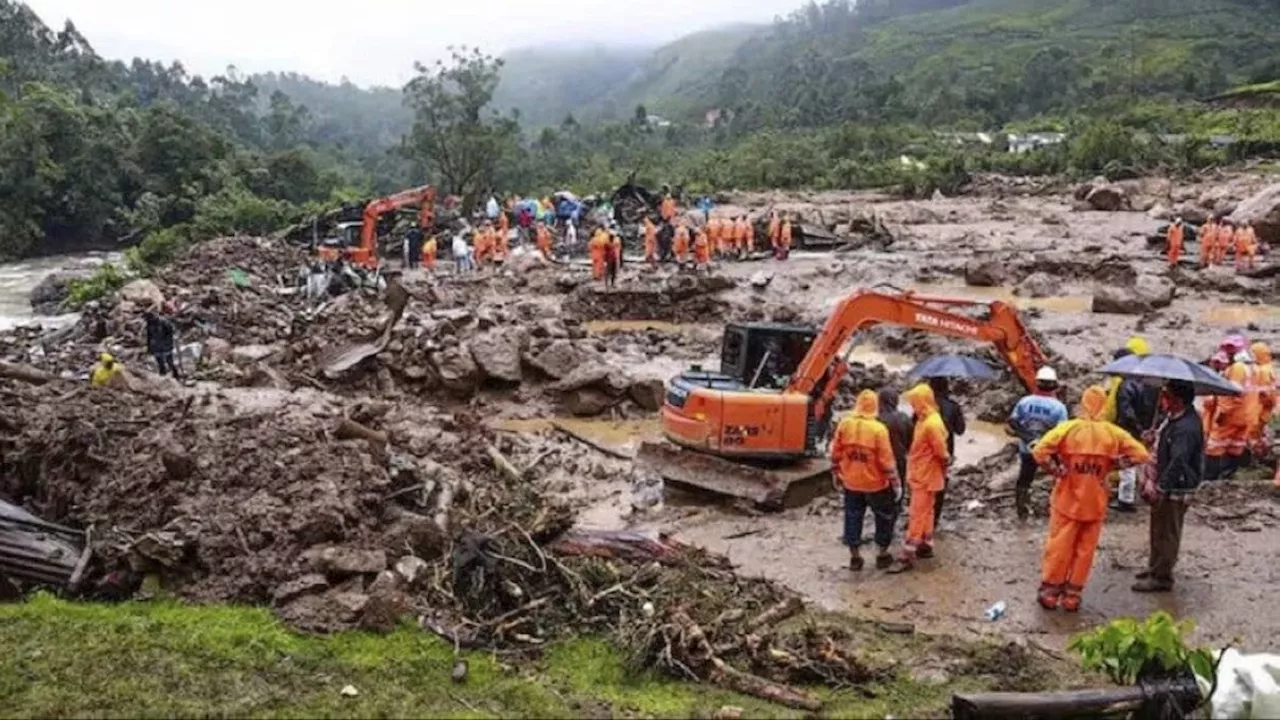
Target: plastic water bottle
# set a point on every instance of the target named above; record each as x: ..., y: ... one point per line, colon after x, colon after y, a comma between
x: 997, y: 611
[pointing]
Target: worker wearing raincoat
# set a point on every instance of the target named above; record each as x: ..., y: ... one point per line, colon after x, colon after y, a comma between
x: 701, y: 249
x: 1174, y: 238
x: 716, y: 235
x: 598, y: 248
x: 867, y: 474
x: 783, y: 250
x: 1228, y: 419
x: 775, y: 229
x: 1080, y: 454
x: 542, y: 236
x: 483, y: 244
x: 927, y: 463
x: 429, y: 250
x: 1226, y: 240
x: 650, y: 242
x: 681, y: 244
x: 668, y: 209
x: 743, y: 233
x: 1246, y: 247
x: 105, y: 370
x: 1208, y: 237
x: 1264, y: 381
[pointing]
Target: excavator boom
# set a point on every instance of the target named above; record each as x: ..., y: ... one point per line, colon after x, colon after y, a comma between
x: 366, y: 253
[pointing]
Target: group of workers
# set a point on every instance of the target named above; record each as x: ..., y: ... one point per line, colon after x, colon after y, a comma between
x: 1217, y: 238
x: 877, y: 453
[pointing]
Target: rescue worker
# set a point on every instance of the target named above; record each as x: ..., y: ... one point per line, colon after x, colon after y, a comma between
x: 1033, y: 416
x: 1173, y: 242
x: 1080, y: 454
x: 542, y: 236
x: 745, y: 242
x: 501, y: 241
x: 953, y: 418
x: 597, y: 248
x: 681, y: 244
x: 1226, y: 240
x: 429, y: 250
x: 900, y: 429
x: 715, y: 236
x: 927, y: 463
x: 1264, y: 379
x: 775, y: 229
x: 1228, y: 419
x: 866, y: 471
x: 1135, y: 413
x: 650, y: 242
x: 1246, y: 247
x: 1179, y: 471
x: 668, y: 209
x: 613, y: 259
x: 105, y: 370
x: 701, y: 249
x: 783, y: 250
x: 161, y: 339
x: 412, y: 248
x: 483, y: 244
x: 504, y: 226
x: 1208, y: 238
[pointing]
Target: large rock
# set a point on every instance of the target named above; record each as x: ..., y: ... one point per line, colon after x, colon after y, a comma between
x: 342, y: 561
x: 1147, y: 294
x: 588, y: 401
x: 497, y: 352
x: 1263, y: 211
x: 1039, y: 285
x: 457, y: 369
x: 600, y: 375
x: 142, y: 293
x: 46, y: 298
x: 984, y: 273
x: 557, y: 360
x: 1109, y: 198
x: 648, y: 393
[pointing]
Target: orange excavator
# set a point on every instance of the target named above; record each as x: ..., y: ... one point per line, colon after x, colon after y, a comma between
x: 759, y: 427
x: 365, y: 252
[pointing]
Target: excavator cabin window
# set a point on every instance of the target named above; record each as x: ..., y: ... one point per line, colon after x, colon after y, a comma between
x: 764, y: 355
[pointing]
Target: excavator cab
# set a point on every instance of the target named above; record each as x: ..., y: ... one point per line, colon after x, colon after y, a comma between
x: 346, y: 237
x: 764, y: 355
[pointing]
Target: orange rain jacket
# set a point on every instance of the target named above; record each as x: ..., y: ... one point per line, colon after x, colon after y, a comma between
x: 928, y: 458
x: 650, y: 240
x: 681, y: 243
x: 861, y: 451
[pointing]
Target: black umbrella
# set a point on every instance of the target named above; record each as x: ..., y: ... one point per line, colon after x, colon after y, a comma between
x: 953, y: 366
x: 1155, y: 368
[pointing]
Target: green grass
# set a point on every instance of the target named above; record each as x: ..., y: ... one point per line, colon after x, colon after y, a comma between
x: 168, y: 659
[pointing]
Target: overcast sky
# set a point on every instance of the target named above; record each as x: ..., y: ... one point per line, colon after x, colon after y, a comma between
x: 375, y: 41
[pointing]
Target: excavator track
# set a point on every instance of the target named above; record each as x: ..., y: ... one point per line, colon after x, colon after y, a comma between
x: 768, y: 488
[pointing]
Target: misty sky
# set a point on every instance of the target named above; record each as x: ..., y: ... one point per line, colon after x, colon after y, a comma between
x: 375, y: 41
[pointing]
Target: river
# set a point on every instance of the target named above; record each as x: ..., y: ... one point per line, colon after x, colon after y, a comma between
x: 17, y: 279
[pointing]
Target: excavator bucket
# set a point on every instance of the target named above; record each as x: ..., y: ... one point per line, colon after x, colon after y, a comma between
x: 769, y: 488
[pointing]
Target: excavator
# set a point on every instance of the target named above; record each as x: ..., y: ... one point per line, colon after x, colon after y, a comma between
x: 364, y: 253
x: 758, y: 429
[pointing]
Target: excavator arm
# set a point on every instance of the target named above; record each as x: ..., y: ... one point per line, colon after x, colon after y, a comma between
x: 424, y: 197
x: 865, y: 309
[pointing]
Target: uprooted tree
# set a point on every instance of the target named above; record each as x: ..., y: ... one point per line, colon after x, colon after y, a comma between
x: 456, y: 136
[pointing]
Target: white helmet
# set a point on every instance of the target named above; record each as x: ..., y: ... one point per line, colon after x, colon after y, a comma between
x: 1047, y: 374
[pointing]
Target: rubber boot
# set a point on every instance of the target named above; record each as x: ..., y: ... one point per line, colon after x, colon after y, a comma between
x: 1071, y: 599
x: 925, y: 551
x: 1049, y: 596
x: 855, y: 560
x: 884, y: 560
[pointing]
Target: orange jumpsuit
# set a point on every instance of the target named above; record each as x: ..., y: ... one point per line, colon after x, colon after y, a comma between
x: 483, y: 245
x: 742, y: 232
x: 1226, y: 238
x: 1173, y: 246
x: 1246, y: 246
x: 668, y: 208
x: 775, y: 230
x: 1229, y: 418
x: 542, y: 236
x: 926, y: 469
x: 680, y: 246
x: 715, y: 235
x: 429, y: 254
x: 785, y: 242
x: 701, y: 248
x: 1264, y: 383
x: 650, y: 241
x: 598, y: 248
x: 1084, y: 451
x: 860, y: 449
x: 1208, y: 243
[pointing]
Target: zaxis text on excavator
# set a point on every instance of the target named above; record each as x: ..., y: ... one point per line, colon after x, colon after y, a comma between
x: 760, y: 425
x: 365, y: 252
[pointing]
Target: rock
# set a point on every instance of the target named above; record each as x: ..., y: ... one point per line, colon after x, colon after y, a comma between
x: 728, y: 712
x: 250, y: 354
x: 142, y: 293
x: 351, y: 561
x: 1108, y: 198
x: 1038, y: 285
x: 567, y: 282
x: 497, y: 353
x: 938, y: 196
x: 648, y: 393
x: 217, y: 350
x: 557, y: 360
x: 1160, y: 212
x: 602, y: 375
x: 351, y: 602
x: 1263, y: 211
x: 553, y: 328
x: 387, y: 603
x: 1082, y: 190
x: 984, y: 273
x: 1192, y: 214
x: 587, y: 402
x: 460, y: 670
x: 761, y: 279
x: 410, y: 568
x: 1147, y: 294
x: 453, y: 317
x: 305, y: 585
x: 349, y: 691
x: 457, y: 369
x: 415, y: 372
x: 46, y: 298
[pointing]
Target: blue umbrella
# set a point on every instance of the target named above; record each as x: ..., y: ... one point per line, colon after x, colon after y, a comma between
x: 953, y: 366
x: 1156, y: 368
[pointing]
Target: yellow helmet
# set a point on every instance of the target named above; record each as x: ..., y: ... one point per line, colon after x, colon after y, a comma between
x: 106, y: 357
x: 1138, y: 346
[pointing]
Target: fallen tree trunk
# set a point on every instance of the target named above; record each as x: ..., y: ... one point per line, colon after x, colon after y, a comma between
x: 1073, y: 703
x: 26, y: 373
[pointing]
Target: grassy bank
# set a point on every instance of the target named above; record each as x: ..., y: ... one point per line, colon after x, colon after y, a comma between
x: 166, y: 659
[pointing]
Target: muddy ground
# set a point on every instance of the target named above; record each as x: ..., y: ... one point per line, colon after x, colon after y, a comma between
x: 259, y: 480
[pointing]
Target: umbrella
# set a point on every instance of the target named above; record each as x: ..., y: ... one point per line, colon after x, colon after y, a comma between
x: 1172, y: 367
x: 953, y: 366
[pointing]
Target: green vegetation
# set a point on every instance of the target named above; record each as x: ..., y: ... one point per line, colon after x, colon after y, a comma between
x: 104, y: 281
x: 168, y: 659
x: 1126, y: 648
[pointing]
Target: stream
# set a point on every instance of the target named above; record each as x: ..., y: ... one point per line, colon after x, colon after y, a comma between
x: 17, y: 279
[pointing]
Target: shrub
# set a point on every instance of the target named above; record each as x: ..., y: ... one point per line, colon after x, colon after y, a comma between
x: 1127, y: 650
x: 104, y: 281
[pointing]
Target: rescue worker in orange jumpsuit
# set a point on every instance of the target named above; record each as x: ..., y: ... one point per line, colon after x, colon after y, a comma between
x: 504, y: 225
x: 701, y: 249
x: 1080, y: 454
x: 927, y: 462
x: 668, y: 209
x: 866, y: 472
x: 1208, y: 238
x: 1264, y: 380
x: 429, y: 249
x: 680, y: 246
x: 484, y: 244
x: 783, y: 250
x: 650, y: 242
x: 612, y: 259
x: 1229, y: 418
x: 542, y: 236
x: 1226, y: 240
x: 1246, y: 247
x: 597, y: 248
x: 746, y: 242
x: 1173, y: 245
x: 775, y: 229
x: 715, y: 236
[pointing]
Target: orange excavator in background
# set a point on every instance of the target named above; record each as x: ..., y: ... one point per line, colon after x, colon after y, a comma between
x: 760, y: 425
x: 365, y: 252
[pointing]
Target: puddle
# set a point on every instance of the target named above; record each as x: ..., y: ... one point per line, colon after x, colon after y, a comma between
x: 981, y: 440
x: 622, y: 435
x: 1060, y: 304
x: 613, y: 326
x: 1239, y: 315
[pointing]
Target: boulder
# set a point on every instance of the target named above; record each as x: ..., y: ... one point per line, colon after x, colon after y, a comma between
x: 1038, y: 285
x: 305, y: 585
x: 410, y: 568
x: 497, y: 353
x: 387, y: 603
x: 984, y: 273
x: 1192, y: 214
x: 601, y: 375
x: 46, y: 298
x: 553, y: 328
x: 216, y: 350
x: 1263, y: 211
x: 588, y: 401
x: 1108, y: 198
x: 557, y: 361
x: 142, y: 293
x: 1160, y: 211
x: 457, y: 369
x: 249, y: 354
x: 351, y: 561
x: 761, y: 279
x: 1147, y: 294
x: 648, y: 393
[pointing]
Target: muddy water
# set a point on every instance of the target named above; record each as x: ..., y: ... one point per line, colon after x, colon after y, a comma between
x: 623, y: 436
x: 612, y: 326
x: 1239, y: 315
x: 17, y: 279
